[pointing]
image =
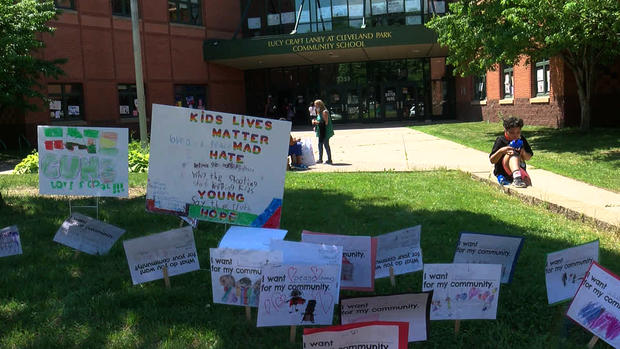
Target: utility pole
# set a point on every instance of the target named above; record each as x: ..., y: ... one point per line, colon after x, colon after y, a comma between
x: 137, y: 60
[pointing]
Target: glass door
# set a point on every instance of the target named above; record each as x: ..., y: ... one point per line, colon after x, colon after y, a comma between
x: 391, y: 102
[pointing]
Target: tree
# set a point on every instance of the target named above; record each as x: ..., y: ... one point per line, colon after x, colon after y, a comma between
x: 482, y: 33
x: 21, y: 22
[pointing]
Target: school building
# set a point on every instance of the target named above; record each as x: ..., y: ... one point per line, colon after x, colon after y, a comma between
x: 369, y: 60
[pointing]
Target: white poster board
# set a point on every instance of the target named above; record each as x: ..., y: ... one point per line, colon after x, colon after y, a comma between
x: 400, y: 250
x: 236, y: 275
x: 10, y: 243
x: 217, y: 167
x: 358, y: 258
x: 462, y: 291
x: 376, y: 334
x: 88, y: 235
x: 83, y: 161
x: 297, y: 295
x: 410, y: 307
x: 566, y: 269
x: 248, y: 238
x: 489, y: 249
x: 596, y: 305
x: 148, y: 255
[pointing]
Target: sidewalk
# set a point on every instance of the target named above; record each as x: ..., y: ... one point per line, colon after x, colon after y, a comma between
x: 404, y: 149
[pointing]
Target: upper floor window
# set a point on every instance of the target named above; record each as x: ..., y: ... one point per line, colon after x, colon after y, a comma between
x: 542, y: 78
x: 190, y: 96
x: 64, y: 4
x: 185, y: 11
x: 66, y: 101
x: 127, y: 100
x: 121, y: 8
x: 508, y: 81
x: 480, y: 87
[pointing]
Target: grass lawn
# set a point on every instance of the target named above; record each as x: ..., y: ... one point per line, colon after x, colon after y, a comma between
x: 52, y: 296
x: 592, y: 157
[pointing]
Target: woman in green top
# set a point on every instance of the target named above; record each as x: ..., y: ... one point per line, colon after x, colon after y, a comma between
x: 324, y: 130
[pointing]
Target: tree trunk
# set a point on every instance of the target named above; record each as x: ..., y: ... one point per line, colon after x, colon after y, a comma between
x: 583, y: 69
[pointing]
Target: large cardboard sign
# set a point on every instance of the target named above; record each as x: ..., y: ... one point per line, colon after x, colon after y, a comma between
x: 596, y: 305
x: 248, y: 238
x: 88, y: 235
x: 399, y: 250
x: 375, y: 334
x: 566, y: 269
x: 295, y: 294
x: 83, y: 161
x: 236, y: 275
x: 489, y: 249
x: 358, y: 258
x: 217, y: 167
x: 148, y: 255
x: 411, y: 307
x: 463, y: 291
x: 9, y: 241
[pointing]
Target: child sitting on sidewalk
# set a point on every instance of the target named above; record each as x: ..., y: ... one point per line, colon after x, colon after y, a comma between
x: 509, y: 154
x: 294, y: 151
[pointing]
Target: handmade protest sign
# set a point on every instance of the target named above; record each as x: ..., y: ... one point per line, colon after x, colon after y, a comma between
x: 295, y: 294
x: 374, y: 334
x: 358, y: 258
x: 596, y: 305
x: 410, y: 307
x: 217, y: 167
x: 566, y: 269
x: 83, y: 161
x: 399, y: 250
x: 489, y: 249
x: 462, y: 291
x: 248, y: 238
x: 88, y: 235
x: 9, y: 241
x: 148, y: 255
x: 311, y: 254
x: 236, y: 275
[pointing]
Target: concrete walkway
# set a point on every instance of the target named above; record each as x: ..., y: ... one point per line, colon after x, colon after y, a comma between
x: 403, y: 149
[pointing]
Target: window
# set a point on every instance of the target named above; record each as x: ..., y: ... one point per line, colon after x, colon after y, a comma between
x: 542, y: 78
x: 127, y: 100
x: 121, y: 8
x: 66, y: 101
x: 64, y: 4
x: 508, y: 82
x: 185, y: 11
x: 480, y: 87
x: 190, y: 96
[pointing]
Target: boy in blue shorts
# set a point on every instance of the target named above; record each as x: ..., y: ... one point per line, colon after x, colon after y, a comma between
x: 294, y: 151
x: 509, y: 154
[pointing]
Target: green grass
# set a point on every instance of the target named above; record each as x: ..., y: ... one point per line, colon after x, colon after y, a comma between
x: 53, y: 297
x: 592, y: 157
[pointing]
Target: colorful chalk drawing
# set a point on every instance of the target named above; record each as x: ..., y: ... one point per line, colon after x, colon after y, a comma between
x: 217, y: 167
x: 83, y: 161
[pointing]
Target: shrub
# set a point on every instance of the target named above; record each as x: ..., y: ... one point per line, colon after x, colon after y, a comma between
x: 30, y: 164
x: 138, y: 157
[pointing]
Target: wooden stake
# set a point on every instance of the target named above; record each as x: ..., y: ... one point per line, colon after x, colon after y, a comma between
x: 166, y: 278
x: 592, y: 342
x: 293, y: 333
x: 457, y: 326
x: 180, y: 223
x: 248, y: 313
x: 392, y: 277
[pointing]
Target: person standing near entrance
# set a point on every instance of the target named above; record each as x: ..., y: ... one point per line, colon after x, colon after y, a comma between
x: 324, y: 130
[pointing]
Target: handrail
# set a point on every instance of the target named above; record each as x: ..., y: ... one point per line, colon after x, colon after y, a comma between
x: 298, y: 17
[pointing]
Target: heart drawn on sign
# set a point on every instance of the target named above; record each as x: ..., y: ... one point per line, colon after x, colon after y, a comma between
x: 316, y: 273
x: 291, y: 273
x: 278, y: 299
x: 327, y: 302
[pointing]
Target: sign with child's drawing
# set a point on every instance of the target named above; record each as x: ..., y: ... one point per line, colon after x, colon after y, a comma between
x: 217, y: 167
x: 249, y: 238
x: 596, y: 305
x: 295, y: 294
x: 399, y: 250
x: 236, y: 275
x: 489, y: 249
x: 566, y: 269
x: 87, y: 234
x: 462, y: 291
x: 371, y: 335
x: 83, y: 161
x: 358, y: 258
x: 148, y: 255
x: 9, y: 241
x: 410, y: 307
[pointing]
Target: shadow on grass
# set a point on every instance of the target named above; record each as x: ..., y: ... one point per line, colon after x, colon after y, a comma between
x: 52, y: 296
